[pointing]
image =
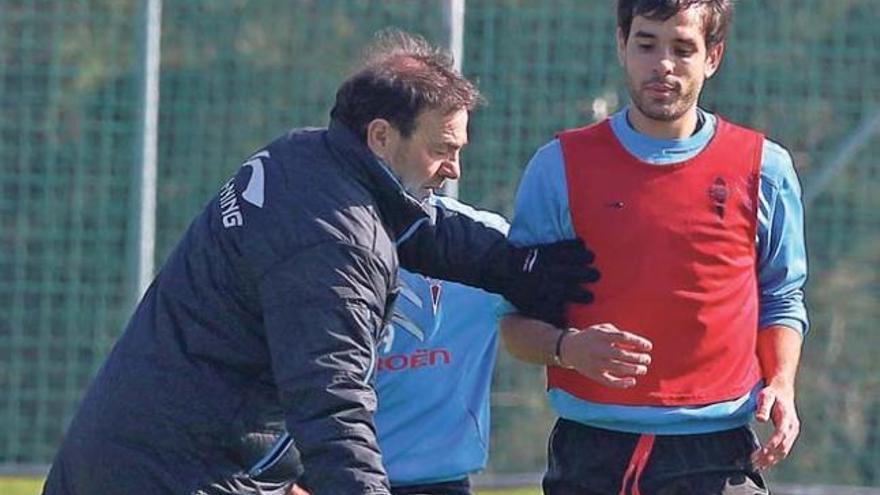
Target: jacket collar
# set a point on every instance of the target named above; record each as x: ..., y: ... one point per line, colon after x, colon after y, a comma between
x: 399, y: 209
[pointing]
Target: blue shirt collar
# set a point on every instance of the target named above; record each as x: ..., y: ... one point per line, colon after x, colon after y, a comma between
x: 662, y: 151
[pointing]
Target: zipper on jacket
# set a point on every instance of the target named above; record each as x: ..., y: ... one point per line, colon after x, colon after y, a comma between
x: 279, y: 448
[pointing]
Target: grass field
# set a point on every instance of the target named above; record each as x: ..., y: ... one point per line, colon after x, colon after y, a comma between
x: 515, y: 491
x: 31, y: 486
x: 20, y: 486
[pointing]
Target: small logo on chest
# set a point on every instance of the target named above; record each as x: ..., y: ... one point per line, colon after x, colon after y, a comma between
x: 718, y: 194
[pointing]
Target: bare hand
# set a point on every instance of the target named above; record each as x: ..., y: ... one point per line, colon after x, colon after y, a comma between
x: 296, y: 490
x: 776, y: 403
x: 608, y: 355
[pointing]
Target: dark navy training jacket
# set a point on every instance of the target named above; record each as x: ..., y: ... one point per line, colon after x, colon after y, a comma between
x: 267, y: 315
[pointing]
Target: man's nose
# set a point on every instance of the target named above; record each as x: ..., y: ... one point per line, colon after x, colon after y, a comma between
x: 451, y: 169
x: 664, y: 64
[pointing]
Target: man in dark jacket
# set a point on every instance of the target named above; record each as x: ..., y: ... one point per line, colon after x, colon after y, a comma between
x: 268, y: 312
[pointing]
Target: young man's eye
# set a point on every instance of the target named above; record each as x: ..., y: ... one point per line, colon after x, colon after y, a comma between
x: 683, y: 52
x: 645, y: 47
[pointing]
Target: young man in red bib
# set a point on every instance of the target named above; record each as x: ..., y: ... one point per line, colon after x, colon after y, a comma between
x: 697, y: 323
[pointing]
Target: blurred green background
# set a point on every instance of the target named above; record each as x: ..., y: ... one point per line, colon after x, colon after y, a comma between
x: 237, y: 73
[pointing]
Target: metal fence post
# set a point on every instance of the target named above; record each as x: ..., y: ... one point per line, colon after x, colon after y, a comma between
x: 453, y: 16
x: 146, y: 213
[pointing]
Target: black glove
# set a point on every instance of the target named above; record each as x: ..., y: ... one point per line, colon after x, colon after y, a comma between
x: 543, y: 279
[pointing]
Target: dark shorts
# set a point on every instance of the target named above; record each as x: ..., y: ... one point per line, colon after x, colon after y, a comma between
x: 458, y: 487
x: 590, y: 461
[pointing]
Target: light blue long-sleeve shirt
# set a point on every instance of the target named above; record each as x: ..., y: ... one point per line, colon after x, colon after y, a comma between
x: 542, y: 215
x: 434, y: 371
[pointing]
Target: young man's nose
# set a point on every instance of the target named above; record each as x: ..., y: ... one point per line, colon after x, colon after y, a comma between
x: 664, y: 64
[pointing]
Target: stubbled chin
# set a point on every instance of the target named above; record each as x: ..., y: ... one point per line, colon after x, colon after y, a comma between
x: 660, y: 100
x: 654, y: 107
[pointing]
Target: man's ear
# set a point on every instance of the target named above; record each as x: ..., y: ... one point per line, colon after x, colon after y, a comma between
x: 713, y: 59
x: 382, y: 137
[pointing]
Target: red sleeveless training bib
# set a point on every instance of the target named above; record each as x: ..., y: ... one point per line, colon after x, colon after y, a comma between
x: 676, y: 248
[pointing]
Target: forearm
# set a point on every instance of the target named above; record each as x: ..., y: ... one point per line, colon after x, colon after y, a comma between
x: 529, y: 340
x: 603, y: 352
x: 779, y: 351
x: 456, y: 248
x: 339, y: 455
x: 538, y: 280
x: 321, y: 312
x: 329, y: 404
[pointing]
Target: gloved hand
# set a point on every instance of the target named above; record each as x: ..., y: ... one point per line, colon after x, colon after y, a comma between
x: 543, y: 279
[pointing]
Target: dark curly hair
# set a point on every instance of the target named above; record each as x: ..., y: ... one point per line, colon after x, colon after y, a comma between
x: 717, y: 15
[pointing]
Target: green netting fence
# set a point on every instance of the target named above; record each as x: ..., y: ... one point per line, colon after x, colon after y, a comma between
x: 236, y: 73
